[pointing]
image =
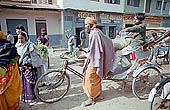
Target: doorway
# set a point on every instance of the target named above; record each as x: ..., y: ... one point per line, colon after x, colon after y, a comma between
x: 112, y: 32
x: 39, y: 25
x: 78, y: 30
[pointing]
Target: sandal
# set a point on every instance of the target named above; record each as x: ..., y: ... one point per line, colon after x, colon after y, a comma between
x: 88, y: 102
x: 100, y: 97
x: 32, y: 103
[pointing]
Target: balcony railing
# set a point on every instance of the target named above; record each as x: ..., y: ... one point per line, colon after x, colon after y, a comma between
x: 31, y: 1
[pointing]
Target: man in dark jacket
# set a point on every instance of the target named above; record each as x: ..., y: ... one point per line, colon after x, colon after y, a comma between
x: 139, y: 38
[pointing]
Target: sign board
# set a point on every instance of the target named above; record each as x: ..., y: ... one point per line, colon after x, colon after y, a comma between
x: 86, y: 14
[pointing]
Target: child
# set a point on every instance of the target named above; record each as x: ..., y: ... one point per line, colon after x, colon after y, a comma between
x: 44, y: 52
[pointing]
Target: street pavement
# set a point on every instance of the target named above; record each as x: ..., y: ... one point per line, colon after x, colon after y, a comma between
x: 114, y: 97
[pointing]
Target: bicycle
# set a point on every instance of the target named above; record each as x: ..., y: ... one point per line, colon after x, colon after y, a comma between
x: 158, y: 97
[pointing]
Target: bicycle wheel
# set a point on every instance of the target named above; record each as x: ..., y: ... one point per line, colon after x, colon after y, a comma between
x: 158, y: 103
x: 52, y: 86
x: 143, y: 83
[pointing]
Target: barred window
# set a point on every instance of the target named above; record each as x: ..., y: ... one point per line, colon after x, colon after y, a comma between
x: 134, y: 3
x: 112, y: 1
x: 159, y: 5
x: 50, y: 2
x: 95, y: 0
x: 68, y: 18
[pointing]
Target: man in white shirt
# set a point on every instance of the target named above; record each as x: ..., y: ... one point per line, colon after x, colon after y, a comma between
x: 10, y: 37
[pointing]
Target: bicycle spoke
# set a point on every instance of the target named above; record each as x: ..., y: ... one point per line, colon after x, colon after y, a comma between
x: 143, y: 83
x: 55, y: 87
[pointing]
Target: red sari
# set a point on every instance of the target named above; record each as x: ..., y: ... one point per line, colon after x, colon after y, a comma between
x: 10, y: 88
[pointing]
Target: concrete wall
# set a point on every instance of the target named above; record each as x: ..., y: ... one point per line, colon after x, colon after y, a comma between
x: 90, y: 5
x: 134, y: 9
x: 155, y: 11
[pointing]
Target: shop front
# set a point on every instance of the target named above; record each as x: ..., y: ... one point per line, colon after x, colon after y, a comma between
x: 108, y: 23
x: 150, y: 21
x: 153, y: 21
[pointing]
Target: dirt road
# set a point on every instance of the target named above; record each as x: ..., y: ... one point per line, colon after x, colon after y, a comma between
x: 114, y: 98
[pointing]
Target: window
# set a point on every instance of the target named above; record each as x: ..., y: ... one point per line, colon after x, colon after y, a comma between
x: 112, y: 1
x: 95, y: 0
x: 159, y: 5
x: 23, y: 1
x: 134, y: 3
x: 50, y: 2
x: 148, y: 5
x: 164, y: 7
x: 68, y: 18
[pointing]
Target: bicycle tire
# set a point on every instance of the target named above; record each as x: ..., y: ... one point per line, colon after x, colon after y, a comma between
x: 158, y: 103
x: 56, y: 88
x: 145, y: 80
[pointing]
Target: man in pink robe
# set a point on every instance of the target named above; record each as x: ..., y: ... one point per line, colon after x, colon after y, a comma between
x: 98, y: 63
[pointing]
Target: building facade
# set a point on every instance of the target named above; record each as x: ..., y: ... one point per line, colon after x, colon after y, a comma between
x: 60, y: 17
x: 33, y: 18
x: 109, y: 23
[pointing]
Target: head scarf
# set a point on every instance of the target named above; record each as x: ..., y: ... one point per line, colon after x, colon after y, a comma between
x: 91, y: 20
x: 2, y: 36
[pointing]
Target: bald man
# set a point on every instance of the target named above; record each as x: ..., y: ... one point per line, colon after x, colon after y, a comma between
x: 98, y: 61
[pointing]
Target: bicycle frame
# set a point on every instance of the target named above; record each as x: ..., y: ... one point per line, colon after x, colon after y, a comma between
x: 134, y: 66
x: 66, y: 67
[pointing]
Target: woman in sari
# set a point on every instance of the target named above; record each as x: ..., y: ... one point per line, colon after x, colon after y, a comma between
x: 10, y: 83
x: 31, y: 66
